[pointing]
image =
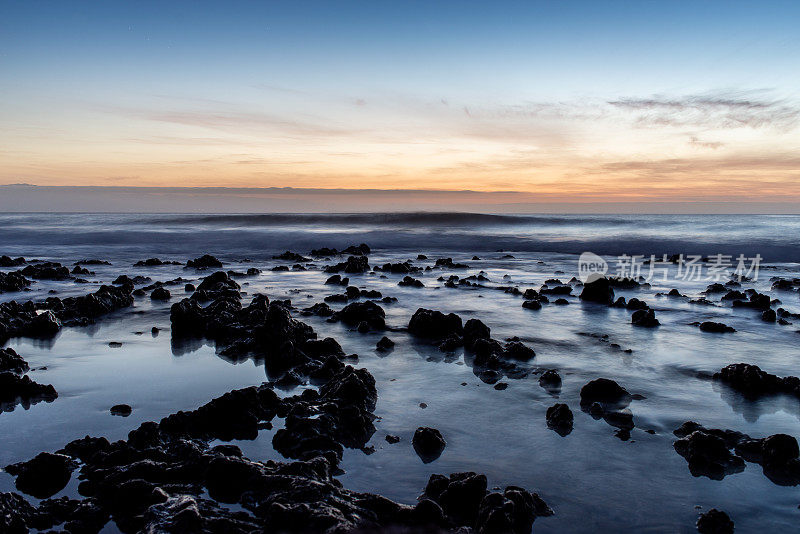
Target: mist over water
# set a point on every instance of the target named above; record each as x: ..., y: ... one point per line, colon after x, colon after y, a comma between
x: 592, y: 478
x: 775, y: 237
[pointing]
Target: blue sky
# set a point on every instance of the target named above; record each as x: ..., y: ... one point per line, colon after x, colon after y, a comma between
x: 490, y: 96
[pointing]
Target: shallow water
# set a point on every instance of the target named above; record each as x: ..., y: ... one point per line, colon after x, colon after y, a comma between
x: 591, y: 478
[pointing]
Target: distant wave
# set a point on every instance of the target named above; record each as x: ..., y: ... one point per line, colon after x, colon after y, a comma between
x: 414, y: 218
x: 776, y: 239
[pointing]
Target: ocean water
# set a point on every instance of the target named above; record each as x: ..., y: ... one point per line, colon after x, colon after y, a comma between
x: 591, y: 478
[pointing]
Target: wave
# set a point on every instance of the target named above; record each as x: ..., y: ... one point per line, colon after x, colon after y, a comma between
x: 382, y: 219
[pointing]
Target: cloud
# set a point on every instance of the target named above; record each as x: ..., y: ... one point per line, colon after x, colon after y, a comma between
x: 721, y: 110
x: 694, y: 141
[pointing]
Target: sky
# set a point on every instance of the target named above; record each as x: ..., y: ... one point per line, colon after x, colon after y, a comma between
x: 564, y: 101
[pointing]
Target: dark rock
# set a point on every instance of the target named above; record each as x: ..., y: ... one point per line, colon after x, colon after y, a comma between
x: 428, y: 443
x: 474, y: 330
x: 6, y: 261
x: 636, y: 304
x: 154, y: 262
x: 13, y: 281
x: 44, y: 475
x: 292, y: 256
x: 410, y: 282
x: 559, y: 418
x: 710, y: 326
x: 321, y: 309
x: 189, y: 288
x: 557, y: 290
x: 357, y: 250
x: 459, y: 495
x: 434, y: 324
x: 769, y: 316
x: 46, y: 271
x: 778, y: 449
x: 12, y: 362
x: 385, y: 344
x: 644, y: 318
x: 532, y: 305
x: 598, y: 291
x: 160, y: 293
x: 708, y: 455
x: 517, y: 351
x: 121, y: 409
x: 753, y: 382
x: 447, y: 263
x: 337, y: 280
x: 81, y: 271
x: 550, y: 379
x: 392, y: 439
x: 354, y: 264
x: 605, y: 391
x: 15, y: 389
x: 367, y: 312
x: 15, y: 512
x: 714, y: 522
x: 204, y: 262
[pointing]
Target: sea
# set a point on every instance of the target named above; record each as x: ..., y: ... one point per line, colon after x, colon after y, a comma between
x: 595, y: 478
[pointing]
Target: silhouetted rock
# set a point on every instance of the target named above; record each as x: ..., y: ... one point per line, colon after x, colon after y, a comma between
x: 598, y: 291
x: 123, y: 410
x: 354, y: 264
x: 358, y: 312
x: 714, y: 522
x: 434, y: 324
x: 710, y: 326
x: 385, y: 344
x: 203, y: 262
x: 604, y: 390
x: 410, y: 282
x: 428, y: 443
x: 708, y: 455
x: 12, y: 362
x: 559, y: 418
x: 44, y: 475
x: 644, y: 318
x: 13, y: 281
x: 160, y: 293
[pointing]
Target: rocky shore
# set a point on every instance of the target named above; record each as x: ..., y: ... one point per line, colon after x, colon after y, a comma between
x: 173, y: 475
